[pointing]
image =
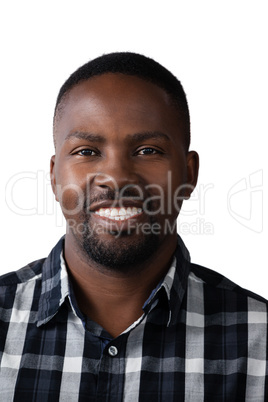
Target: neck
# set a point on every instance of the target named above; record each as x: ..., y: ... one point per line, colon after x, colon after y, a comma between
x: 114, y: 299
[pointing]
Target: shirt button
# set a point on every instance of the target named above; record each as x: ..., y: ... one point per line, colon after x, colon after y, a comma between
x: 112, y: 351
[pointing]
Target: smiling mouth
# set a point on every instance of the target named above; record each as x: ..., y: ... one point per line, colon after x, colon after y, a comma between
x: 118, y: 214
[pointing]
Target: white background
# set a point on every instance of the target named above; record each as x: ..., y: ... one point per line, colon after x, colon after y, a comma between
x: 218, y: 49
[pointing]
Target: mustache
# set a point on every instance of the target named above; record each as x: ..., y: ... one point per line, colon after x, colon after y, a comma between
x: 112, y: 195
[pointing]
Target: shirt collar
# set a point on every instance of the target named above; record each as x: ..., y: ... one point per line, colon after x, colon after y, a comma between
x: 55, y: 284
x: 173, y: 287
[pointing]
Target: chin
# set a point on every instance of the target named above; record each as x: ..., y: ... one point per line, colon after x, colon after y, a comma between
x: 120, y: 251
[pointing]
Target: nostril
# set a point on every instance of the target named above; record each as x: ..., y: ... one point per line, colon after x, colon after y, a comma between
x: 106, y: 181
x: 115, y: 181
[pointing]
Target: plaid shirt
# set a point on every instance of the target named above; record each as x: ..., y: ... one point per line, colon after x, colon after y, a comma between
x: 201, y: 338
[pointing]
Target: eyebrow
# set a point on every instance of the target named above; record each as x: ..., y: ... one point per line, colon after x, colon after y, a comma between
x: 90, y: 137
x: 147, y: 136
x: 143, y: 136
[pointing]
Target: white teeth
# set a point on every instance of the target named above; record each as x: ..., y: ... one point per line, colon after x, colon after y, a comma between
x: 118, y: 213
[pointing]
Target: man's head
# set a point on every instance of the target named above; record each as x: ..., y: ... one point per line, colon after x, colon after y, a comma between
x: 122, y: 166
x: 132, y: 64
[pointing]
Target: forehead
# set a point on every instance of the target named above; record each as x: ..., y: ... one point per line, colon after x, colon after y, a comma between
x: 116, y: 86
x: 119, y: 98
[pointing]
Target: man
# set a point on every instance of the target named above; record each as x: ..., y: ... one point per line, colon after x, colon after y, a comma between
x: 117, y: 312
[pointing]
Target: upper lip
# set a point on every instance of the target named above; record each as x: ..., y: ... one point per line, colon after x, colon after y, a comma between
x: 123, y: 203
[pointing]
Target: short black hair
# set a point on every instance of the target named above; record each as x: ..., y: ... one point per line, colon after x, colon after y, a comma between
x: 137, y: 65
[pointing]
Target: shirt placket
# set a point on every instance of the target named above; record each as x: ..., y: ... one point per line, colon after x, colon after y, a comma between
x: 110, y: 385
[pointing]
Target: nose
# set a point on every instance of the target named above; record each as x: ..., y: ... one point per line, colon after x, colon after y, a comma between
x: 116, y: 172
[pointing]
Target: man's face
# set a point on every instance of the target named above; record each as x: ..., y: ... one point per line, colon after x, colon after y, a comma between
x: 120, y: 168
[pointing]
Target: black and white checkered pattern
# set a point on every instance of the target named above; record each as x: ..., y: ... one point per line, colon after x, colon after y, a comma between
x: 201, y: 338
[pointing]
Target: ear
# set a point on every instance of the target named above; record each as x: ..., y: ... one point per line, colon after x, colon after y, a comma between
x: 192, y: 173
x: 52, y: 176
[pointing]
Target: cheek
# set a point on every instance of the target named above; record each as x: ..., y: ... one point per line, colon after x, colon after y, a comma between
x: 174, y: 186
x: 166, y: 195
x: 72, y: 200
x: 70, y: 193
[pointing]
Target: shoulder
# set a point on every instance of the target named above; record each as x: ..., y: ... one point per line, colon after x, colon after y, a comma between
x: 22, y: 275
x: 217, y: 287
x: 21, y: 285
x: 33, y: 270
x: 20, y: 293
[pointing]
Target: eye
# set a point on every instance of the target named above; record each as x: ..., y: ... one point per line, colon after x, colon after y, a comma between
x: 148, y: 151
x: 86, y: 152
